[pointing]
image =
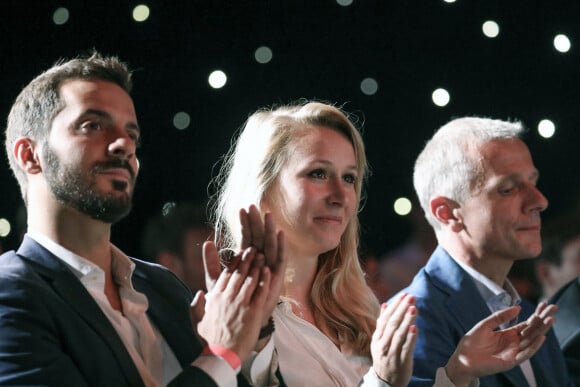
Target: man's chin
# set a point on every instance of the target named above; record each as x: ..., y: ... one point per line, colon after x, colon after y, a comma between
x: 110, y: 215
x: 109, y: 208
x: 531, y: 251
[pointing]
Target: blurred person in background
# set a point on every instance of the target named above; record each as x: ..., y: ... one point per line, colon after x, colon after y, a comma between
x: 175, y: 238
x: 559, y: 261
x: 398, y: 266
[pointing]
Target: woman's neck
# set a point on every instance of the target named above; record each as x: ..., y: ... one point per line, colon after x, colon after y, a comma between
x: 300, y: 274
x: 298, y: 281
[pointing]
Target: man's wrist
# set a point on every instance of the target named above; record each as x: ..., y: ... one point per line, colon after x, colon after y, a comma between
x: 456, y: 376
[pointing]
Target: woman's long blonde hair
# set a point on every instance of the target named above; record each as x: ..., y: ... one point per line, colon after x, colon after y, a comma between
x: 341, y: 299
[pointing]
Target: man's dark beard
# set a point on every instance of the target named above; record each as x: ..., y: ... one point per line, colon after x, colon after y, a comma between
x: 71, y: 188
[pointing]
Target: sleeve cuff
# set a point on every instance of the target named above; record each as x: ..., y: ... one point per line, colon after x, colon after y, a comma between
x: 258, y: 366
x: 371, y: 379
x: 442, y: 380
x: 225, y: 353
x: 218, y: 369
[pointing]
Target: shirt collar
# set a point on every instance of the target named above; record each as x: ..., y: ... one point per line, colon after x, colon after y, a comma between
x: 495, y: 296
x: 86, y: 271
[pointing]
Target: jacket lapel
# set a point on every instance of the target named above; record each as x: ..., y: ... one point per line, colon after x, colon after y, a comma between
x: 71, y: 290
x: 173, y: 322
x: 464, y: 302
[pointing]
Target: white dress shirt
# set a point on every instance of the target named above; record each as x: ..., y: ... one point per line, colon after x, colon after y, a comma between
x: 149, y: 351
x: 307, y: 357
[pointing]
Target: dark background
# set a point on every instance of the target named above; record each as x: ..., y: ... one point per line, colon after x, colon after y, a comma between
x: 320, y: 50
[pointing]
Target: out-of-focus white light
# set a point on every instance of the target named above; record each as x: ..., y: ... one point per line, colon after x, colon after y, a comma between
x: 167, y: 207
x: 490, y: 29
x: 562, y: 43
x: 344, y: 3
x: 217, y: 79
x: 60, y: 16
x: 369, y: 86
x: 4, y: 227
x: 449, y: 1
x: 181, y: 120
x: 546, y: 128
x: 402, y: 206
x: 263, y: 54
x: 141, y: 13
x: 440, y: 97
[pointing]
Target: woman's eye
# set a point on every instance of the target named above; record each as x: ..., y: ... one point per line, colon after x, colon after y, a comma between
x: 351, y: 179
x: 318, y: 174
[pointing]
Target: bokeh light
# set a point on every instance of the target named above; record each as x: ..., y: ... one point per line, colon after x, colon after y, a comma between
x: 440, y: 97
x: 263, y: 54
x: 141, y: 13
x: 217, y: 79
x: 490, y: 29
x: 167, y: 207
x: 546, y: 128
x: 369, y: 86
x: 181, y: 120
x: 60, y: 16
x: 402, y: 206
x: 562, y: 43
x: 4, y: 227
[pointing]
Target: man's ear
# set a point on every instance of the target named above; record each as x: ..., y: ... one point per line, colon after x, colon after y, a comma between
x: 26, y: 155
x: 446, y: 212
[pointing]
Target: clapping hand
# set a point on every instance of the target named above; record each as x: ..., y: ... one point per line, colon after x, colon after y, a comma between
x: 262, y: 248
x: 394, y: 340
x: 270, y: 246
x: 232, y: 316
x: 485, y: 351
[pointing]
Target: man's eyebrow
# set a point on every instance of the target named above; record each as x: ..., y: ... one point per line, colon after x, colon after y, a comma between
x: 534, y: 176
x: 103, y: 114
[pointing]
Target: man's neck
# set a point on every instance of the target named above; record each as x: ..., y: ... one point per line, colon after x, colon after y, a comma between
x: 496, y: 269
x: 77, y: 232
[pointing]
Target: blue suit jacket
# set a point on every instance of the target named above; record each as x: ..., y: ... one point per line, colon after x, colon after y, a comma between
x: 567, y: 325
x: 449, y: 306
x: 52, y: 332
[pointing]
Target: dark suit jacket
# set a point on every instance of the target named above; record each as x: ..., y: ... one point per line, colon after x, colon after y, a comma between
x: 567, y: 325
x: 52, y: 332
x: 449, y: 306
